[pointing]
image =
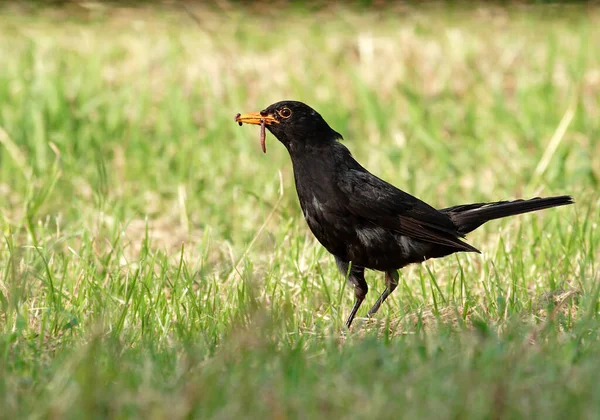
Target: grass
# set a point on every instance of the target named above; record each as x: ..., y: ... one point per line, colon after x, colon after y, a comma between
x: 155, y: 264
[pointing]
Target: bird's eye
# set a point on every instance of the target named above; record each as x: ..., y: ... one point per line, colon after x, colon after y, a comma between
x: 285, y: 113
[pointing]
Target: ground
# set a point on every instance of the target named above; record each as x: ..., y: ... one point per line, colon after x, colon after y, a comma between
x: 156, y: 264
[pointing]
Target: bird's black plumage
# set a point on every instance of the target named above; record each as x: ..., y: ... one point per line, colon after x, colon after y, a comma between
x: 362, y: 220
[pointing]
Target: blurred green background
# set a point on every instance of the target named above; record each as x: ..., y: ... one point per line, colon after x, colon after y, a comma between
x: 156, y: 264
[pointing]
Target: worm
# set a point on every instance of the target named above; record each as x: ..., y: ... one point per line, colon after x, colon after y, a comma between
x: 263, y: 135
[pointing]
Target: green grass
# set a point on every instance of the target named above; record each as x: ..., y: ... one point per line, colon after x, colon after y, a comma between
x: 156, y: 264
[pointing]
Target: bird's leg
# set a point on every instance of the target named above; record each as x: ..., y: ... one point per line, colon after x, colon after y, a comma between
x: 356, y: 277
x: 391, y: 281
x: 360, y: 294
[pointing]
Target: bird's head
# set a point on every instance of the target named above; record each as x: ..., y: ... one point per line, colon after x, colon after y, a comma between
x: 294, y: 123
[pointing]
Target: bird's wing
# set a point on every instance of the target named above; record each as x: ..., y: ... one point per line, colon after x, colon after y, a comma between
x: 383, y: 204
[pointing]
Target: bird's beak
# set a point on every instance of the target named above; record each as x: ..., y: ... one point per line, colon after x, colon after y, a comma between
x: 255, y: 118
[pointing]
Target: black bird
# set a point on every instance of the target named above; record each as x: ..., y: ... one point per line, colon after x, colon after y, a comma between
x: 362, y: 220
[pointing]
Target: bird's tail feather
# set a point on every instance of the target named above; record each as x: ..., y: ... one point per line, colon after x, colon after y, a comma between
x: 469, y: 217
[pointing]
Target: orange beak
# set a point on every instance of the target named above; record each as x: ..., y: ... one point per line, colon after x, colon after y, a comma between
x: 255, y: 118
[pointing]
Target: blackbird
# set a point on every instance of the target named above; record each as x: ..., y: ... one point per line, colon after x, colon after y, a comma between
x: 361, y: 219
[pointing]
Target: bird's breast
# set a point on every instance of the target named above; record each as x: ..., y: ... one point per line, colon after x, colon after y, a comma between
x: 331, y: 228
